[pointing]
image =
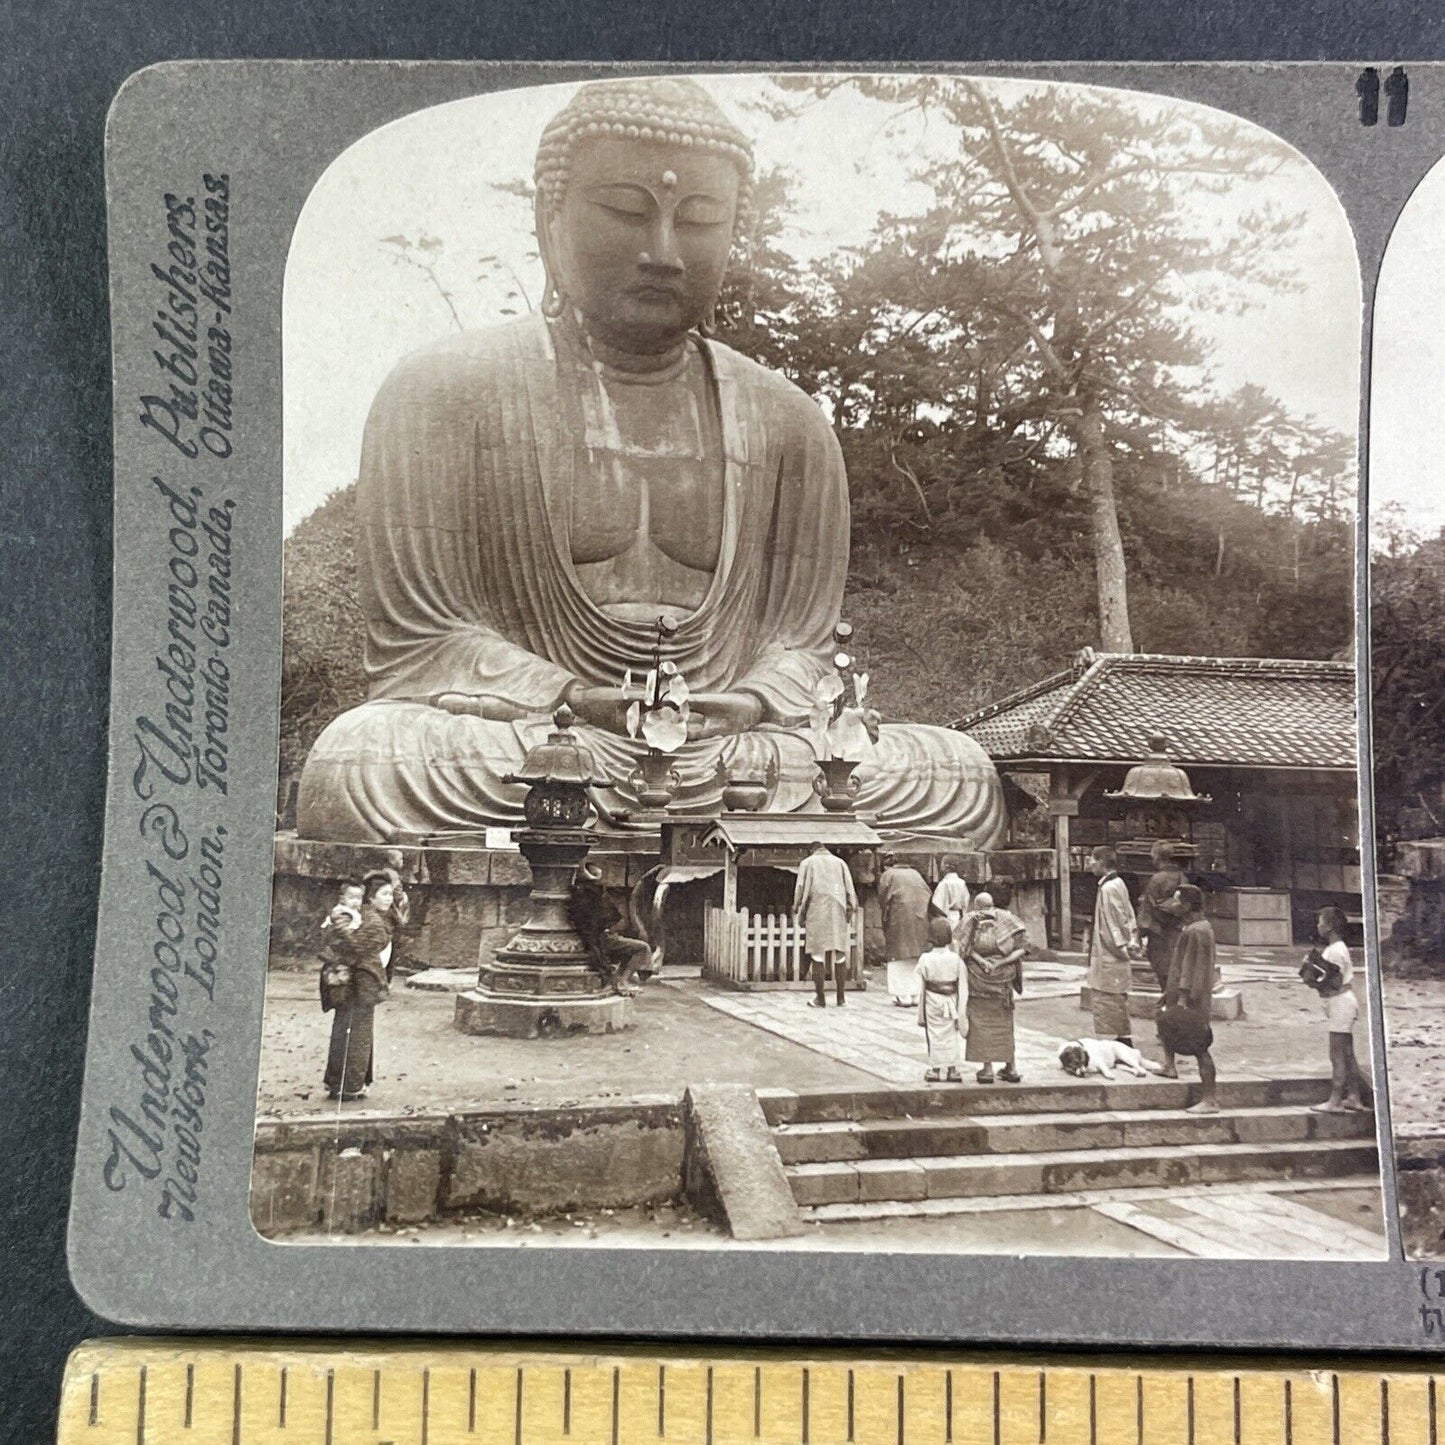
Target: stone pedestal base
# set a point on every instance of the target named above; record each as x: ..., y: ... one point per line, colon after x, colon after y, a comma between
x: 1225, y: 1004
x: 535, y: 1018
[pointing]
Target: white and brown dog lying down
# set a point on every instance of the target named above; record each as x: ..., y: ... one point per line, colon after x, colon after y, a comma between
x: 1082, y: 1057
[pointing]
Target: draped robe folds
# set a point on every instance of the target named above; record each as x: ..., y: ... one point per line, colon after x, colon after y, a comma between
x: 470, y: 455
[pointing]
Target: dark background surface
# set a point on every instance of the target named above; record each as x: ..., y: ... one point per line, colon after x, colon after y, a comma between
x: 59, y: 66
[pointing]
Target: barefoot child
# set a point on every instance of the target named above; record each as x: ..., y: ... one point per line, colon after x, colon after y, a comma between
x: 1330, y: 972
x: 942, y: 997
x: 1183, y: 1021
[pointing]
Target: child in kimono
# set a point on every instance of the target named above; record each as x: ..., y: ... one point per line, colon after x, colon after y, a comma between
x: 942, y: 997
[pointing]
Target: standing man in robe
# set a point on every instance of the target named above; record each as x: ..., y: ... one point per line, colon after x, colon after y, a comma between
x: 1158, y: 925
x: 824, y: 903
x: 1187, y: 992
x: 903, y: 898
x: 950, y: 898
x: 1113, y: 945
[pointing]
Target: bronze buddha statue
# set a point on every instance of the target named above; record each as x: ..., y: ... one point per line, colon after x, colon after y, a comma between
x: 533, y: 496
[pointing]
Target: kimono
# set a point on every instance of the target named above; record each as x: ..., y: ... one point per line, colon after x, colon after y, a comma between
x: 942, y: 993
x: 349, y: 1058
x: 1161, y: 926
x: 950, y: 898
x: 903, y: 898
x: 987, y: 939
x: 824, y: 902
x: 1113, y: 943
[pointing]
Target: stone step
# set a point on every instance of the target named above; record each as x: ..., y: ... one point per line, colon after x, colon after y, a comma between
x: 1068, y: 1171
x: 812, y: 1106
x: 942, y: 1134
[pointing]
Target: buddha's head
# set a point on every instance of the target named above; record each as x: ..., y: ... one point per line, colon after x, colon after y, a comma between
x: 640, y: 186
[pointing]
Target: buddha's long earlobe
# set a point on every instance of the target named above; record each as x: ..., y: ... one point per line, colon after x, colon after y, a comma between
x: 708, y: 325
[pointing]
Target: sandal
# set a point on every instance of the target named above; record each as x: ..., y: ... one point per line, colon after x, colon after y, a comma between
x: 953, y: 1077
x: 1011, y: 1075
x: 932, y: 1076
x: 984, y: 1076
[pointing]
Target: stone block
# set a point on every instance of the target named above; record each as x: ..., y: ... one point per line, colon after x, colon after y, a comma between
x: 549, y: 1160
x: 818, y: 1143
x: 413, y: 1185
x: 1225, y: 1004
x: 1120, y: 1169
x: 283, y: 1191
x: 885, y: 1179
x: 350, y: 1190
x: 835, y: 1183
x: 779, y: 1105
x: 1179, y: 1132
x: 1039, y: 1138
x: 980, y: 1177
x: 509, y: 869
x: 478, y: 1013
x: 732, y: 1171
x: 1271, y: 1126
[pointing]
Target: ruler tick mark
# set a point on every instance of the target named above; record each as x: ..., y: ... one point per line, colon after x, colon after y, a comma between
x: 1335, y: 1406
x: 1093, y: 1411
x: 616, y: 1399
x: 376, y: 1399
x: 190, y: 1392
x: 947, y: 1408
x: 997, y: 1413
x: 281, y: 1404
x: 1138, y: 1408
x: 661, y: 1402
x: 1288, y: 1414
x: 1384, y: 1412
x: 1238, y: 1414
x: 1189, y: 1394
x: 330, y: 1403
x: 900, y: 1409
x: 709, y: 1407
x: 472, y: 1401
x: 567, y: 1402
x: 1430, y: 1398
x: 758, y: 1402
x: 425, y: 1405
x: 850, y: 1405
x: 95, y: 1397
x: 517, y: 1413
x: 1043, y: 1408
x: 805, y: 1405
x: 236, y: 1407
x: 140, y: 1418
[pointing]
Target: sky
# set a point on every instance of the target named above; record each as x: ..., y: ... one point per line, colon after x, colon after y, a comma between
x: 1407, y: 420
x: 352, y: 308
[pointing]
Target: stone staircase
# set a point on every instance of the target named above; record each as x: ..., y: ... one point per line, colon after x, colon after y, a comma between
x: 972, y: 1142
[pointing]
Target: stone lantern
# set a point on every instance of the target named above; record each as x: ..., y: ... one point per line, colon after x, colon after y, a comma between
x: 543, y: 982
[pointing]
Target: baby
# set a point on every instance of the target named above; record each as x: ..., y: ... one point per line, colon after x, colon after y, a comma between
x: 346, y: 915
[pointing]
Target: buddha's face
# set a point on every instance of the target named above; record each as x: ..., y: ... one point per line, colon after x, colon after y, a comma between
x: 641, y: 239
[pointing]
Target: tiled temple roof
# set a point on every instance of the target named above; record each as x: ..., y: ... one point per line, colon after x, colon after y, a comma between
x: 1222, y: 711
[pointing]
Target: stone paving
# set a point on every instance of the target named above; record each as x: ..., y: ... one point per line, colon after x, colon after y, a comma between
x: 877, y: 1036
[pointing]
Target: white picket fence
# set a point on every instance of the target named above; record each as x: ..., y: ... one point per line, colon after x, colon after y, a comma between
x: 765, y: 950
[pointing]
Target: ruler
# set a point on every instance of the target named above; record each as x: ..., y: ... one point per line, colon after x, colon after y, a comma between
x: 218, y: 1392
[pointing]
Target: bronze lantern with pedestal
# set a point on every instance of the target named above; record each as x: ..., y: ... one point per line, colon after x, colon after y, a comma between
x: 543, y: 983
x: 1157, y: 795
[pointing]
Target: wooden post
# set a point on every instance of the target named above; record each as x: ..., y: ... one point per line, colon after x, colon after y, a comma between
x: 1065, y: 891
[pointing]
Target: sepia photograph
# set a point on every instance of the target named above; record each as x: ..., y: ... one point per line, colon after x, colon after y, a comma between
x: 818, y: 702
x: 1407, y: 641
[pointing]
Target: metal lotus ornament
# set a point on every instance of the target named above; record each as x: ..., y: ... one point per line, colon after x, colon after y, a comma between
x: 843, y: 735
